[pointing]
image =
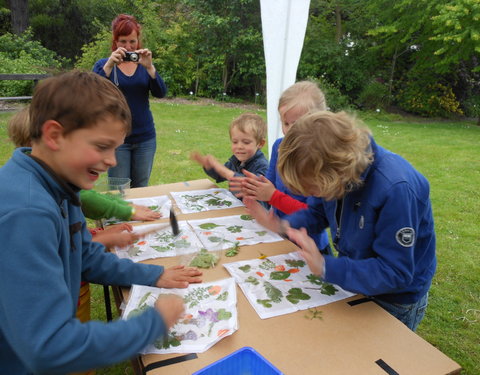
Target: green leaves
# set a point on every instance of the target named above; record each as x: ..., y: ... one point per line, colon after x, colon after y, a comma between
x: 325, y: 288
x: 273, y: 293
x: 294, y: 263
x: 246, y: 217
x: 296, y: 294
x: 246, y: 268
x: 208, y: 226
x: 204, y: 259
x: 235, y: 228
x: 279, y: 275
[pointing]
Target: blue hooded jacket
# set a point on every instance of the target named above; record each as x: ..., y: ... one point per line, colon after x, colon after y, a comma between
x: 46, y: 251
x: 385, y: 236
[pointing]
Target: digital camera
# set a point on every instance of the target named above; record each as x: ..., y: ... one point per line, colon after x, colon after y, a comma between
x: 131, y: 56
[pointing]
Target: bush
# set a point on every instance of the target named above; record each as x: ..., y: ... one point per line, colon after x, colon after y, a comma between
x: 21, y: 54
x: 99, y: 48
x: 432, y: 100
x: 471, y: 106
x: 336, y: 101
x: 374, y: 95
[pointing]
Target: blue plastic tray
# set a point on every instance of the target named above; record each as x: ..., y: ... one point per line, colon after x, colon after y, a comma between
x: 244, y: 361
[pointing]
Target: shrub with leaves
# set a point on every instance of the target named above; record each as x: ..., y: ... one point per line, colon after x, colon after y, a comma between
x: 434, y: 99
x: 22, y: 54
x: 374, y: 95
x: 336, y: 101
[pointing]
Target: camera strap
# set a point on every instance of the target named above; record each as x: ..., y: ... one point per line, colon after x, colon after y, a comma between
x: 115, y: 78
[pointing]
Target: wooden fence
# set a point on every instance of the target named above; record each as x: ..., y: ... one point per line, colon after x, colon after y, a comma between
x: 21, y: 77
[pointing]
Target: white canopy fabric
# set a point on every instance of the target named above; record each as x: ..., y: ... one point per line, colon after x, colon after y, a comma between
x: 283, y: 25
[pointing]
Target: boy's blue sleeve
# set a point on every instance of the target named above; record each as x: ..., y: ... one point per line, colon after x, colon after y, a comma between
x: 37, y: 312
x: 213, y: 174
x: 272, y: 166
x: 392, y: 265
x: 313, y: 218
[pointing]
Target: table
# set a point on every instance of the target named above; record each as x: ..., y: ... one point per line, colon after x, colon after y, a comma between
x: 353, y: 336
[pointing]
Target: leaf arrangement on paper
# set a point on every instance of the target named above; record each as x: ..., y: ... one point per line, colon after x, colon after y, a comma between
x: 161, y: 243
x: 210, y: 315
x: 205, y: 200
x: 282, y: 284
x: 237, y: 230
x: 161, y: 204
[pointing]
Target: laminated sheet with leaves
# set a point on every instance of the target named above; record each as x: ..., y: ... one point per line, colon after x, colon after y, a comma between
x: 237, y: 230
x: 205, y: 200
x: 282, y: 284
x: 210, y: 315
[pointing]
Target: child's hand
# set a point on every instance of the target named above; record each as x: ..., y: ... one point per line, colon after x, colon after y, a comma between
x: 178, y: 277
x: 200, y: 159
x: 308, y: 250
x: 257, y: 187
x: 266, y: 218
x: 171, y: 308
x: 118, y: 228
x: 119, y: 235
x: 235, y: 186
x: 143, y: 213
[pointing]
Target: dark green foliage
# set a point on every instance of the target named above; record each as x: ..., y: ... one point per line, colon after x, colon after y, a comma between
x: 23, y: 54
x: 369, y: 54
x: 374, y: 95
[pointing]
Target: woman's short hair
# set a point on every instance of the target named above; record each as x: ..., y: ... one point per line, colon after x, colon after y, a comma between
x: 124, y: 24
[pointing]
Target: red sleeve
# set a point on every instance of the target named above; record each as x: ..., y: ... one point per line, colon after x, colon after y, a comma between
x: 286, y: 203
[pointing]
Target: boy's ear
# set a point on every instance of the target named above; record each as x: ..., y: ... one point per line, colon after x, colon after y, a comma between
x: 261, y: 144
x: 52, y: 133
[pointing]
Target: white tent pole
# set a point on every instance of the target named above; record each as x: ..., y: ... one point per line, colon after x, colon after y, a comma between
x: 283, y: 26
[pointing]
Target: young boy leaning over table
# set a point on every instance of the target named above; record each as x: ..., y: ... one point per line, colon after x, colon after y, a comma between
x: 94, y: 204
x: 376, y: 205
x: 46, y: 248
x: 247, y: 134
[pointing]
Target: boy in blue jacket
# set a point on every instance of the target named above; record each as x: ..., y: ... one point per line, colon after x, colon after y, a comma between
x: 376, y: 205
x: 247, y: 134
x: 78, y: 119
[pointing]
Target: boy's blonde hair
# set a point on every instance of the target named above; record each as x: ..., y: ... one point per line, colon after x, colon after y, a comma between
x: 305, y: 95
x: 250, y: 123
x: 326, y: 152
x: 19, y: 128
x: 76, y: 100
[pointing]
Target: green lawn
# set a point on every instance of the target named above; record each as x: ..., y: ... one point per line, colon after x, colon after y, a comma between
x: 447, y: 153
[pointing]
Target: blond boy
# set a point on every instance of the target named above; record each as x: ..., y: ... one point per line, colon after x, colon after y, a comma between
x: 247, y: 135
x: 376, y: 205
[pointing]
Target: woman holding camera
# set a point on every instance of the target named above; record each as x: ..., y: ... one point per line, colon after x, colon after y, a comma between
x: 130, y: 68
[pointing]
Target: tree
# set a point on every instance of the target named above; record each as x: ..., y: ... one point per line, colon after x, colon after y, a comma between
x: 19, y: 15
x: 457, y: 29
x: 229, y: 44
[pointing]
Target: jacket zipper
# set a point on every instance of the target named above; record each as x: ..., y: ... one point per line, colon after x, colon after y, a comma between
x: 339, y: 223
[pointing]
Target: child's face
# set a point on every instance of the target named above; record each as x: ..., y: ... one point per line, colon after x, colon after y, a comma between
x: 290, y: 117
x: 244, y: 145
x: 84, y: 154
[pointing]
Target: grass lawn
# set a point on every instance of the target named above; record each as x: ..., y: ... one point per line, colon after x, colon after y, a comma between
x: 447, y: 153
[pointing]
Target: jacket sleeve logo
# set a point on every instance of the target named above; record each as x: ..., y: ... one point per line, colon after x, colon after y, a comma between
x: 405, y: 237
